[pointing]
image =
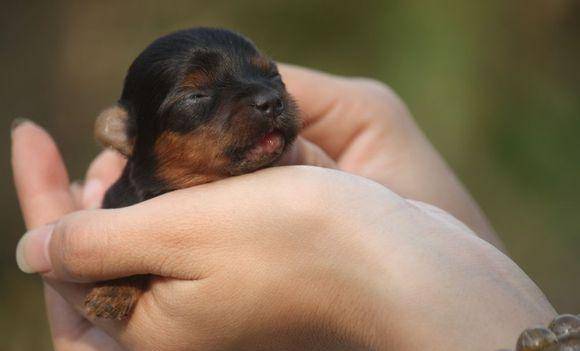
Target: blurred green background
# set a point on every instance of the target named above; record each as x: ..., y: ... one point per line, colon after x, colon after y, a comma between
x: 495, y: 84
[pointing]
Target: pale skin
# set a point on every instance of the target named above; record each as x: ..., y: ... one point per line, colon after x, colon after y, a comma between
x: 289, y: 258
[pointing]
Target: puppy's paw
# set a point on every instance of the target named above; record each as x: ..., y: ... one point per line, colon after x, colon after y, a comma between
x: 113, y: 300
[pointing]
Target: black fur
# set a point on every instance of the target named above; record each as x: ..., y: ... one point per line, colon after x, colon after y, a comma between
x: 157, y: 102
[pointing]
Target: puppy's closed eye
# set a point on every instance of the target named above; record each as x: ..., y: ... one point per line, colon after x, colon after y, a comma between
x: 199, y: 96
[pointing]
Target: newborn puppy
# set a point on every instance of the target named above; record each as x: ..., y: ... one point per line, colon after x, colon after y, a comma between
x: 197, y: 105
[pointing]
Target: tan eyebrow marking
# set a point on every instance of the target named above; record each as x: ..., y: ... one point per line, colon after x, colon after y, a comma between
x: 262, y: 62
x: 197, y: 79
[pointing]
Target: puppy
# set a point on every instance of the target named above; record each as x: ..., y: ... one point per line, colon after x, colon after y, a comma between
x: 197, y: 105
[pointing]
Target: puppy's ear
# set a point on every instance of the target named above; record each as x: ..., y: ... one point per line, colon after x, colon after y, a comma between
x: 111, y: 130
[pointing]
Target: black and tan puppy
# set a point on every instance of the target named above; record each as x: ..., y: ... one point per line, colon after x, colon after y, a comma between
x: 197, y: 105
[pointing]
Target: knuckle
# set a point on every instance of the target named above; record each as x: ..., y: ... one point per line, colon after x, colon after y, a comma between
x: 374, y: 88
x: 388, y: 105
x: 78, y: 253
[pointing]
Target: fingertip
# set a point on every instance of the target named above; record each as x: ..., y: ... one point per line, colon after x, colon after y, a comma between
x: 32, y: 250
x: 21, y: 261
x: 76, y: 191
x: 40, y: 176
x: 107, y: 157
x: 92, y: 194
x: 17, y: 122
x: 106, y: 167
x: 28, y: 138
x: 23, y: 126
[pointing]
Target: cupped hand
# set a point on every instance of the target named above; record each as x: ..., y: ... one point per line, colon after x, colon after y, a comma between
x: 291, y: 258
x: 365, y: 128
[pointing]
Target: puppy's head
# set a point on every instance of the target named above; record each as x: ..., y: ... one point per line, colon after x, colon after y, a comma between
x: 200, y: 105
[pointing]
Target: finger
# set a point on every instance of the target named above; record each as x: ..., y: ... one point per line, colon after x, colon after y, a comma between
x: 352, y: 118
x: 40, y: 177
x: 195, y: 225
x: 105, y: 169
x: 69, y: 298
x: 317, y: 92
x: 304, y: 152
x: 66, y: 321
x: 42, y: 185
x: 76, y: 192
x: 70, y: 329
x: 335, y: 110
x: 98, y: 245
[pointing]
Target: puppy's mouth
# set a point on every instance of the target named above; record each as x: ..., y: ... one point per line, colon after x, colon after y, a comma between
x: 266, y: 149
x: 263, y: 143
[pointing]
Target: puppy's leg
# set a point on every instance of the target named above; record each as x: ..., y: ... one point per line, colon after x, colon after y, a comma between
x: 115, y: 299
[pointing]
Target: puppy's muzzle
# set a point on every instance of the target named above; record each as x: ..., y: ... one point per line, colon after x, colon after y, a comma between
x: 268, y: 103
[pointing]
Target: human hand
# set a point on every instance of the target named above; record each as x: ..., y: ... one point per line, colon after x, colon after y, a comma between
x: 99, y: 180
x: 287, y: 258
x: 364, y: 127
x: 43, y: 189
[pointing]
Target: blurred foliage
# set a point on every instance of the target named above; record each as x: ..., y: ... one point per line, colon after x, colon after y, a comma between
x: 494, y: 84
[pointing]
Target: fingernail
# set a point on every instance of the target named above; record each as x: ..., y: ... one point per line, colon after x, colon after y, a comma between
x: 92, y: 194
x: 17, y: 122
x: 32, y: 250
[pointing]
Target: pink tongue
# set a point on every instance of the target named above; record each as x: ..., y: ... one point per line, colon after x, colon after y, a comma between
x: 269, y: 144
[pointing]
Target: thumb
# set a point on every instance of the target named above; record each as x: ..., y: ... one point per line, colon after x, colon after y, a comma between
x: 146, y: 238
x: 92, y: 245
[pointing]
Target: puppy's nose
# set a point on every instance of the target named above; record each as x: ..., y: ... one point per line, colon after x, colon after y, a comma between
x: 268, y: 103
